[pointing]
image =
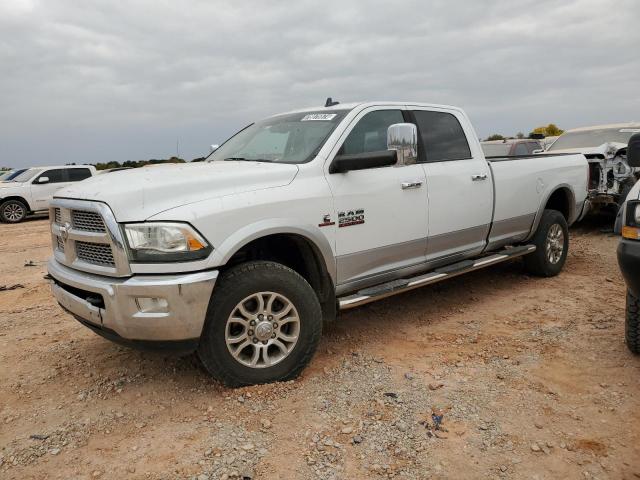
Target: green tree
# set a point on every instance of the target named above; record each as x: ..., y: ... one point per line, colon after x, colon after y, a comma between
x: 495, y: 136
x: 550, y: 130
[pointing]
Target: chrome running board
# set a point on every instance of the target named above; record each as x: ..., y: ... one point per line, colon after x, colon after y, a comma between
x: 388, y: 289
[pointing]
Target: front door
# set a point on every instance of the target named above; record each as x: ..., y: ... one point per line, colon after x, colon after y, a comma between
x: 42, y: 193
x: 459, y: 183
x: 381, y: 224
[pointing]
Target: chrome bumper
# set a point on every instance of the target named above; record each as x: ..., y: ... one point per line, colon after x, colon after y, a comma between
x: 124, y: 306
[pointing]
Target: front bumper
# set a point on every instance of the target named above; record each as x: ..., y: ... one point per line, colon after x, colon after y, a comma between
x: 121, y: 309
x: 629, y: 261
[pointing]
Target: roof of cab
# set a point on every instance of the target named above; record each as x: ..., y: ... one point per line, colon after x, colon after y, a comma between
x: 611, y: 125
x: 351, y: 106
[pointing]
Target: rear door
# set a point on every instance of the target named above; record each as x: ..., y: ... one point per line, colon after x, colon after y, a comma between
x: 458, y: 181
x: 380, y: 214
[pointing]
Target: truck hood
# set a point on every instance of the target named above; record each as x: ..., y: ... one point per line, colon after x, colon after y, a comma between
x: 606, y: 150
x: 137, y: 194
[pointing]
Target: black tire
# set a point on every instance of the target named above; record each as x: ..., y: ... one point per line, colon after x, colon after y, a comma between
x: 239, y: 283
x: 13, y: 211
x: 632, y: 324
x: 538, y: 263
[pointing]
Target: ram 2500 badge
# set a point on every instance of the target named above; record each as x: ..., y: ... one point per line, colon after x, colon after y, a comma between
x: 296, y: 217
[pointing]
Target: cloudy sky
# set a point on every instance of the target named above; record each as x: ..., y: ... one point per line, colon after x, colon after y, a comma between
x: 94, y: 81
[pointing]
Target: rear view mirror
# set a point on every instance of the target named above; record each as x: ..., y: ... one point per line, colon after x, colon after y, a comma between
x: 43, y: 180
x: 633, y: 151
x: 403, y: 138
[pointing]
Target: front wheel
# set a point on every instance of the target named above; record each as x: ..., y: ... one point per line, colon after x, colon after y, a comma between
x: 13, y: 211
x: 263, y: 325
x: 552, y: 244
x: 632, y: 323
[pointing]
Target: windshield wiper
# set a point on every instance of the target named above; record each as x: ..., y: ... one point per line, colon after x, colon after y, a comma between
x: 242, y: 159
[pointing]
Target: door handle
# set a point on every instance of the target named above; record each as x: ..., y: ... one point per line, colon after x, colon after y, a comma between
x: 408, y: 185
x: 479, y: 177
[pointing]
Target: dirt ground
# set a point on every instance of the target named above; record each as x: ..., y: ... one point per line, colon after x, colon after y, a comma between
x: 530, y: 378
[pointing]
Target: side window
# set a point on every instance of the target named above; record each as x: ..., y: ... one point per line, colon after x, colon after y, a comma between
x: 533, y: 146
x: 56, y: 175
x: 77, y: 174
x: 370, y: 134
x: 442, y: 136
x: 521, y: 149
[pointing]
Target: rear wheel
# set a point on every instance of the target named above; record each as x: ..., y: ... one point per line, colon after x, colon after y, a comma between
x: 552, y: 244
x: 632, y: 323
x: 263, y: 325
x: 13, y: 211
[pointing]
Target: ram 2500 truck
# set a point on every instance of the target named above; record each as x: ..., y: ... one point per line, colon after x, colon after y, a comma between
x: 298, y: 216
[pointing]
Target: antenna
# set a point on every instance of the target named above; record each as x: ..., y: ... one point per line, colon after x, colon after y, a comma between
x: 330, y: 102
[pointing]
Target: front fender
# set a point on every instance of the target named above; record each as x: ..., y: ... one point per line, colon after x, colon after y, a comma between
x: 234, y: 242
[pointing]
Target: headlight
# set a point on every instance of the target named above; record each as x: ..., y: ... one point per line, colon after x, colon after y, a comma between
x: 164, y: 242
x: 631, y: 228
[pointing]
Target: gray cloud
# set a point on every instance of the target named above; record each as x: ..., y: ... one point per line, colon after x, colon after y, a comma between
x: 110, y: 80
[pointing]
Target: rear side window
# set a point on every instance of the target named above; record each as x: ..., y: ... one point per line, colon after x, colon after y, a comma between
x: 55, y: 175
x: 77, y: 174
x: 442, y: 136
x: 370, y: 134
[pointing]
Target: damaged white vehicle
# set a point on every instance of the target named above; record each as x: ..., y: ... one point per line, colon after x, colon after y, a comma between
x: 605, y: 146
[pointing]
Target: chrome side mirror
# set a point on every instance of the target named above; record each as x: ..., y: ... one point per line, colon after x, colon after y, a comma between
x: 403, y: 138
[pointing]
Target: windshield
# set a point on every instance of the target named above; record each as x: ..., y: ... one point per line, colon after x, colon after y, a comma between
x: 26, y: 175
x: 12, y: 175
x: 290, y: 138
x: 593, y: 138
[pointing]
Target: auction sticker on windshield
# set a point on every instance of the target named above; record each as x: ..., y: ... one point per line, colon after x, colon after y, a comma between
x: 318, y: 116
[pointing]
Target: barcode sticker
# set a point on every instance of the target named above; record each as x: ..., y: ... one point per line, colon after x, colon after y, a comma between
x: 318, y: 116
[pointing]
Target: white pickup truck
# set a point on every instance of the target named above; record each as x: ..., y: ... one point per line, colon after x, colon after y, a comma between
x: 32, y: 189
x: 297, y: 216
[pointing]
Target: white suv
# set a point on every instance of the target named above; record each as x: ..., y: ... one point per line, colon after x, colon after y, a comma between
x: 33, y: 189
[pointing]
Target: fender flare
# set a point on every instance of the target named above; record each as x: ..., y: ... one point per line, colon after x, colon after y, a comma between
x: 264, y: 228
x: 16, y: 197
x: 543, y: 204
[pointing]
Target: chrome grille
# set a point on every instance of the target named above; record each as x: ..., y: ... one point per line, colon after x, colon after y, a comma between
x: 87, y: 221
x: 95, y: 253
x: 85, y: 236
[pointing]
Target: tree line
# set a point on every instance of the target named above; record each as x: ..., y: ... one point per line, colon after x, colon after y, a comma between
x: 550, y: 130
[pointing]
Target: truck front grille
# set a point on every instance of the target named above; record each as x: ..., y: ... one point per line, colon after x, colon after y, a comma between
x: 87, y: 221
x: 85, y: 236
x: 95, y: 253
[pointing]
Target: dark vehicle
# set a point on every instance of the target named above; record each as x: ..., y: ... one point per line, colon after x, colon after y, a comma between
x: 629, y: 251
